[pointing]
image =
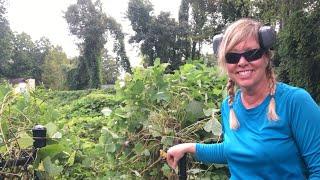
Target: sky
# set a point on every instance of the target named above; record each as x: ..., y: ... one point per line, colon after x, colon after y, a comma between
x: 40, y: 18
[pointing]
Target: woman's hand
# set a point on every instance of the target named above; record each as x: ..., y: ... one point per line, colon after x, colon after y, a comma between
x: 175, y: 153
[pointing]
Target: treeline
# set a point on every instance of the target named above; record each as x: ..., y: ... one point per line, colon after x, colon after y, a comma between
x: 21, y: 57
x: 297, y: 56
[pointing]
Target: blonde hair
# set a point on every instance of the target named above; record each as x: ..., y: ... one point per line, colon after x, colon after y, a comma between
x: 235, y: 33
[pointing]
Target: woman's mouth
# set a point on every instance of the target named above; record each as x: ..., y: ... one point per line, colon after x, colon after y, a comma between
x: 245, y: 73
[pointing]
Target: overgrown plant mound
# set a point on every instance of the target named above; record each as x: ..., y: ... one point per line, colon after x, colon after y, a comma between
x: 118, y: 134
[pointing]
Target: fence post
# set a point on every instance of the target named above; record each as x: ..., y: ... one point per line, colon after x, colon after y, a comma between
x: 182, y: 164
x: 39, y: 133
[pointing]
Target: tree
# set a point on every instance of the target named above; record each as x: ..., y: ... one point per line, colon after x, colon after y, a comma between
x: 20, y: 57
x: 55, y: 68
x: 110, y: 70
x: 89, y: 23
x: 22, y: 61
x: 199, y: 21
x: 163, y: 34
x: 183, y: 33
x: 118, y: 47
x: 77, y: 77
x: 278, y: 12
x: 199, y: 17
x: 299, y: 52
x: 139, y: 14
x: 6, y: 41
x: 233, y: 10
x: 41, y: 50
x: 156, y: 34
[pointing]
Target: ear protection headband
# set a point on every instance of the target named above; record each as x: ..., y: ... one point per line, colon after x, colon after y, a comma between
x: 267, y: 37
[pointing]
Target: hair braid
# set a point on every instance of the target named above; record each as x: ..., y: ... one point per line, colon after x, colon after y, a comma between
x: 272, y: 114
x: 233, y: 121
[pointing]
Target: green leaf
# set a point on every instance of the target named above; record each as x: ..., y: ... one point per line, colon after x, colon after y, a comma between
x: 167, y: 141
x: 50, y: 168
x: 195, y: 108
x: 3, y: 149
x: 210, y: 111
x: 136, y: 173
x: 50, y: 150
x: 51, y: 129
x: 207, y: 112
x: 71, y: 159
x: 57, y: 135
x: 199, y: 83
x: 110, y: 148
x: 146, y: 152
x: 195, y: 171
x: 107, y: 131
x: 162, y: 96
x: 213, y: 126
x: 87, y: 145
x: 24, y: 140
x: 166, y: 170
x: 138, y: 148
x: 87, y: 162
x: 217, y: 91
x: 157, y: 62
x: 137, y: 87
x: 154, y: 130
x: 5, y: 127
x: 106, y: 111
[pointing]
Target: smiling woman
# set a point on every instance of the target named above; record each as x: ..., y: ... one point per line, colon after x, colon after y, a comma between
x: 249, y: 73
x: 270, y: 128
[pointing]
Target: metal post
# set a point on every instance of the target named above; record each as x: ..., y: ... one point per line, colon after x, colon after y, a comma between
x: 39, y: 133
x: 182, y: 164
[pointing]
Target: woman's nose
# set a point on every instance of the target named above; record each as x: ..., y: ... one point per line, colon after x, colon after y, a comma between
x: 242, y: 61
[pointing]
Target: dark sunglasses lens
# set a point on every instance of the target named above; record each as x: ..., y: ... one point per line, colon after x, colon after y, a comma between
x: 232, y: 58
x: 253, y: 54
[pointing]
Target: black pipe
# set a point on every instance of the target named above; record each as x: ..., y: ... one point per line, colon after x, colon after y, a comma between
x: 39, y: 133
x: 182, y: 164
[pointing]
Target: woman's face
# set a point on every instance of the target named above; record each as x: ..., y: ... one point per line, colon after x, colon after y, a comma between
x: 248, y: 75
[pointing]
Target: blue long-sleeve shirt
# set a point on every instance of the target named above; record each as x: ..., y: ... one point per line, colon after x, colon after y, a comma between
x: 264, y: 149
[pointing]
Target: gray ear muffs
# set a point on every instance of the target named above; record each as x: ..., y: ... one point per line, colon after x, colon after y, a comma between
x: 216, y: 43
x: 267, y: 38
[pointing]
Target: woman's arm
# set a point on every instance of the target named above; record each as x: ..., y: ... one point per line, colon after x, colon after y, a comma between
x: 211, y: 153
x: 207, y: 153
x: 305, y: 125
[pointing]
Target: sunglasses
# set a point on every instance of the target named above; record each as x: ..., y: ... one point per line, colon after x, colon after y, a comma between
x: 251, y: 55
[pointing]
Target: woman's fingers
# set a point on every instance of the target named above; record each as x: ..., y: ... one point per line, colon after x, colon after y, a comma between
x: 175, y: 153
x: 172, y: 161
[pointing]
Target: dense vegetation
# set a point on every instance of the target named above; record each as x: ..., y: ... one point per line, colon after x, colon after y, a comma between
x: 107, y: 134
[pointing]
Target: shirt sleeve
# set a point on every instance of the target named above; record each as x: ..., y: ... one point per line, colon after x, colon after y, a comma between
x: 305, y: 124
x: 211, y: 153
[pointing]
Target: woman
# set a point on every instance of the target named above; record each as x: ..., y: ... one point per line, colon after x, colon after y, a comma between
x: 271, y: 130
